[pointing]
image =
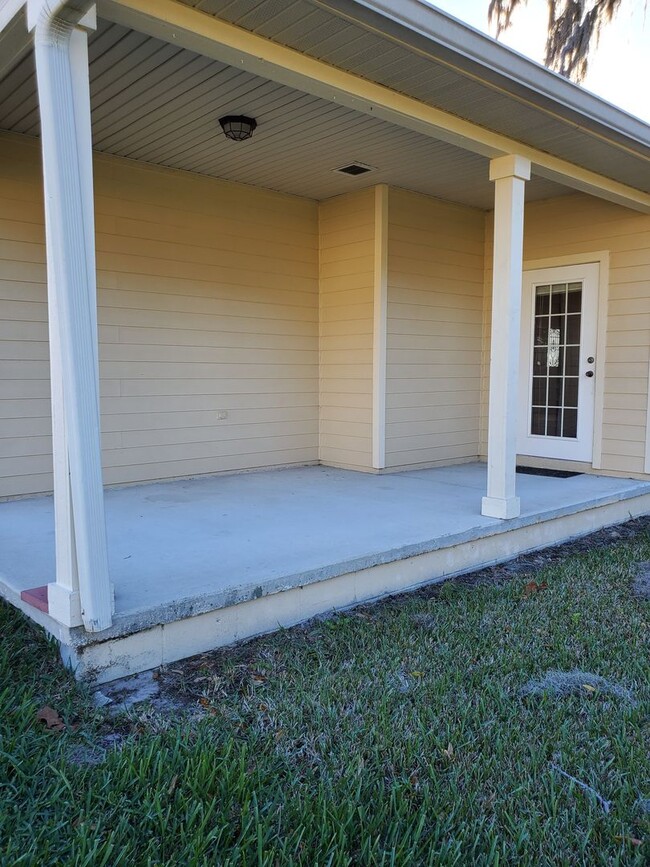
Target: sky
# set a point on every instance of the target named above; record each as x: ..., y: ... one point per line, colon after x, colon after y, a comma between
x: 620, y: 66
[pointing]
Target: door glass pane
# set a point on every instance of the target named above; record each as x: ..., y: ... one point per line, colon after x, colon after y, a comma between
x: 574, y: 298
x: 572, y: 355
x: 554, y: 423
x: 555, y: 390
x: 539, y: 390
x: 571, y: 391
x: 541, y: 330
x: 556, y: 360
x: 542, y: 300
x: 573, y: 329
x: 570, y: 423
x: 540, y: 360
x: 554, y: 347
x: 558, y: 298
x: 538, y: 421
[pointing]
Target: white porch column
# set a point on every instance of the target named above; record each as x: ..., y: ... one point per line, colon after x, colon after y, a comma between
x: 379, y: 336
x: 509, y: 174
x: 82, y: 588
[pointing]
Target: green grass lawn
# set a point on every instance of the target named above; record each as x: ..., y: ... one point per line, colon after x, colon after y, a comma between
x: 394, y: 734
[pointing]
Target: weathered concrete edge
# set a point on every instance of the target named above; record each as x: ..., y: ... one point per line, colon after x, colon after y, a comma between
x: 192, y: 606
x: 163, y: 644
x: 51, y: 626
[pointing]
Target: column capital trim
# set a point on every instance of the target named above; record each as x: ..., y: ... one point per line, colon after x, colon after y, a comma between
x: 510, y: 166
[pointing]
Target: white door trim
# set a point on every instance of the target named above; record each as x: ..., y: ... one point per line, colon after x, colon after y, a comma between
x: 599, y: 257
x: 579, y: 448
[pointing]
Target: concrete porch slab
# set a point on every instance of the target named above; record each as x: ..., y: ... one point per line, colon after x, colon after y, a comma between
x: 182, y: 549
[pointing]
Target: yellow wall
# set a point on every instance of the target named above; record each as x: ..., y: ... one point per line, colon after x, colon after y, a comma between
x: 229, y: 316
x: 208, y: 304
x: 576, y: 225
x: 347, y: 231
x: 435, y: 301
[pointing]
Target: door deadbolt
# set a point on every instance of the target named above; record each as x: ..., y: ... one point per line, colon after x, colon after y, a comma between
x: 591, y: 359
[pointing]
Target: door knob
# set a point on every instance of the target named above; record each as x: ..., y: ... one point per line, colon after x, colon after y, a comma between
x: 589, y: 373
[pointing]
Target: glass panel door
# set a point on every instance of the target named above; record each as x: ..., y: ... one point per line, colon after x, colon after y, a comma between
x: 559, y: 368
x: 556, y: 359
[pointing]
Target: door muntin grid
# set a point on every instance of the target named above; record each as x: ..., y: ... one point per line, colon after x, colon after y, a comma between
x: 556, y: 359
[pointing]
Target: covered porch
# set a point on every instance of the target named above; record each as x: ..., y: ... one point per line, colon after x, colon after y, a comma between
x: 202, y: 563
x: 343, y: 289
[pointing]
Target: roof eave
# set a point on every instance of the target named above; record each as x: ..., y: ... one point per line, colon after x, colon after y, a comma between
x: 425, y: 28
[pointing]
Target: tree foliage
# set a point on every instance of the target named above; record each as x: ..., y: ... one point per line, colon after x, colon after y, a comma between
x: 574, y: 28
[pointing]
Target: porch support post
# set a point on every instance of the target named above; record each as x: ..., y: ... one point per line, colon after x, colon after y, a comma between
x: 379, y: 336
x: 509, y: 174
x: 83, y: 589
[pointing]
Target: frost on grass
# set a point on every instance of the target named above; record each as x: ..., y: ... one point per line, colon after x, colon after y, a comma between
x: 566, y: 683
x: 642, y: 805
x: 82, y: 754
x: 641, y: 583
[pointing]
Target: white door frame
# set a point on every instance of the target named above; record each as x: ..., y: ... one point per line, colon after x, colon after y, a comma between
x: 600, y: 258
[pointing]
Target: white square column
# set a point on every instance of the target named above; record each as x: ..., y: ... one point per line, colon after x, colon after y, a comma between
x: 509, y: 174
x: 82, y: 592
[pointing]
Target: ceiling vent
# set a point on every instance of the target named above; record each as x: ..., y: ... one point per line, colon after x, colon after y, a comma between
x: 355, y: 169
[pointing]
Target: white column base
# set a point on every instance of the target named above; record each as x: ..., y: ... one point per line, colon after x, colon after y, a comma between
x: 498, y: 507
x: 64, y: 605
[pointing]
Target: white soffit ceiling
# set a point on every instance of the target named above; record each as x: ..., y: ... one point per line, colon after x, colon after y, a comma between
x: 345, y: 34
x: 157, y: 103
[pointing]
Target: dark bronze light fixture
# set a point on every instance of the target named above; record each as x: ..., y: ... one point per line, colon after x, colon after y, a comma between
x: 238, y: 127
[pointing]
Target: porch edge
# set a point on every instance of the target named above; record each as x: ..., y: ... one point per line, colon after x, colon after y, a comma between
x: 292, y: 599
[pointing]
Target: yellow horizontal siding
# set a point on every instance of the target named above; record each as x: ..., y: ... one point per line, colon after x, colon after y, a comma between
x: 207, y: 305
x: 346, y: 326
x: 435, y: 309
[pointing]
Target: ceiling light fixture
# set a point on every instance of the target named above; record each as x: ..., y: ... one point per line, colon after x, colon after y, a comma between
x: 238, y: 127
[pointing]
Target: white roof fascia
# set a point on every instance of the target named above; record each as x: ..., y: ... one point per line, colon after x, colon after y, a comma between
x: 8, y: 11
x: 426, y: 25
x: 15, y: 40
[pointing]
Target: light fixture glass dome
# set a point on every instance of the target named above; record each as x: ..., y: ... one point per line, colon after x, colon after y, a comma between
x: 238, y: 127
